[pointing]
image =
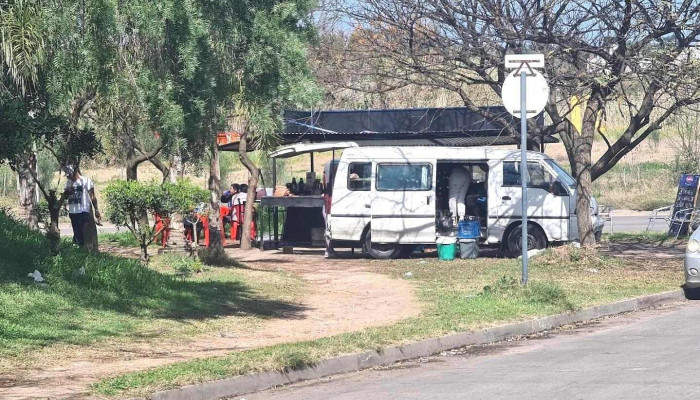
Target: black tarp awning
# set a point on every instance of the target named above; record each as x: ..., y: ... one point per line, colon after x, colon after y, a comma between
x: 456, y: 126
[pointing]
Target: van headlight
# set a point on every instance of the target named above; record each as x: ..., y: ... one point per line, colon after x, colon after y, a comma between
x: 693, y: 246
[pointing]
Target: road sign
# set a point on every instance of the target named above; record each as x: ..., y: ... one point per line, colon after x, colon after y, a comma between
x: 525, y: 93
x: 515, y: 61
x: 537, y: 93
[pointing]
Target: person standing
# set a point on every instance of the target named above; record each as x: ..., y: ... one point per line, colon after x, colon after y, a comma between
x: 82, y: 203
x: 459, y: 181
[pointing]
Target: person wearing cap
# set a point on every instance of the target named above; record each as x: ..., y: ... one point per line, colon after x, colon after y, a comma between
x: 80, y: 191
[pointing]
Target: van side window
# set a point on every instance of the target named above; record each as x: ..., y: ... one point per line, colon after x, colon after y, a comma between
x: 538, y: 176
x: 404, y: 177
x: 359, y: 176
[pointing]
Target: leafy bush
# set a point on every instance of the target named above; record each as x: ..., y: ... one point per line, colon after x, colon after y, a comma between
x: 130, y: 202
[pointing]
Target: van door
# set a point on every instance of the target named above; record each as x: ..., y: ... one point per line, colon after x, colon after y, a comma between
x: 403, y: 207
x: 352, y: 199
x: 547, y: 205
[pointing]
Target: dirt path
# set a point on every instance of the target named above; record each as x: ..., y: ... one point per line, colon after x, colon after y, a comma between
x: 645, y: 250
x: 345, y: 297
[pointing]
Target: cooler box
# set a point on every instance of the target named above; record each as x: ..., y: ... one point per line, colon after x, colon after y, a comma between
x: 447, y: 247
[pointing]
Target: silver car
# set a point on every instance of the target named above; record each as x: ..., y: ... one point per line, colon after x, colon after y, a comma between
x: 692, y: 266
x: 598, y: 223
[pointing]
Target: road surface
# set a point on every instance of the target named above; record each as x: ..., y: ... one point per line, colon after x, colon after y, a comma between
x: 67, y: 230
x: 632, y: 224
x: 645, y: 355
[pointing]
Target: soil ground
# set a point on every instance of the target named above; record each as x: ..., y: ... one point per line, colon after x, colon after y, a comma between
x: 659, y: 253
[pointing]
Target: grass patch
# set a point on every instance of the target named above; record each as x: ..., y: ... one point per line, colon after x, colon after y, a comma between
x: 643, y: 186
x: 122, y: 239
x: 455, y: 296
x: 636, y: 236
x: 88, y: 299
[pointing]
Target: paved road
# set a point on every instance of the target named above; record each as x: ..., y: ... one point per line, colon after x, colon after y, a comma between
x: 634, y: 224
x: 67, y: 230
x: 647, y: 355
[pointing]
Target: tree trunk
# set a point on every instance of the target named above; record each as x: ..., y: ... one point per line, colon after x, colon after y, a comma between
x: 53, y: 234
x: 28, y: 191
x: 131, y: 165
x: 254, y: 172
x: 164, y: 169
x: 582, y: 151
x: 583, y: 199
x: 144, y: 249
x: 176, y: 168
x: 214, y: 199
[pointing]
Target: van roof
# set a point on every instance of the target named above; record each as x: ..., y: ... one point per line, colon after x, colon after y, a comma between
x: 440, y: 153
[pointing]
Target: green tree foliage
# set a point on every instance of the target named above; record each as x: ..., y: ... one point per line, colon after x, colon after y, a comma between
x: 157, y: 79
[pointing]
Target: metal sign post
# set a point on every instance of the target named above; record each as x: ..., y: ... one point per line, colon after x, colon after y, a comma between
x: 524, y: 96
x: 523, y: 166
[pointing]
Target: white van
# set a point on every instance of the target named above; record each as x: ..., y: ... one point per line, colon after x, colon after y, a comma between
x: 388, y: 199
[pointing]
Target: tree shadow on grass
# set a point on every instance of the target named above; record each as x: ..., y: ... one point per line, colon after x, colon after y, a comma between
x: 80, y: 309
x: 89, y: 297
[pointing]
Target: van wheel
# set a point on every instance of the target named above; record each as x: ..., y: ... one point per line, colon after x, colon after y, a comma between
x: 535, y: 240
x: 381, y: 251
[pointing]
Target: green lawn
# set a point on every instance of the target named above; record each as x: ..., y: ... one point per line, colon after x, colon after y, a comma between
x: 89, y: 299
x: 455, y: 296
x: 123, y: 239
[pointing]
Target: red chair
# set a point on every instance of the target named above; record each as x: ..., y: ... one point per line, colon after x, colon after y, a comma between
x: 224, y: 211
x: 237, y: 224
x: 162, y: 228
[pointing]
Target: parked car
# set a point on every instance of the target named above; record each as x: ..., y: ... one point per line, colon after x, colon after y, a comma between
x: 692, y: 266
x: 598, y: 223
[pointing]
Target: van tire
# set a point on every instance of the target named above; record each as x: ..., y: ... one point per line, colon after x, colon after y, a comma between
x: 536, y: 239
x: 383, y: 251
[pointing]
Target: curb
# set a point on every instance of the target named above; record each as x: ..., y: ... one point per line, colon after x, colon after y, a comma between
x: 354, y: 362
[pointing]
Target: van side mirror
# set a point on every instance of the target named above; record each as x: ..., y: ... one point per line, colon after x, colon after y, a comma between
x: 557, y: 188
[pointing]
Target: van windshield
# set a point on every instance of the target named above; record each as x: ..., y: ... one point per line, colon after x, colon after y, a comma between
x: 563, y: 176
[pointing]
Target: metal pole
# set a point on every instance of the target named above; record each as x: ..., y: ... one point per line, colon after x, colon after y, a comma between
x: 275, y: 210
x: 523, y: 165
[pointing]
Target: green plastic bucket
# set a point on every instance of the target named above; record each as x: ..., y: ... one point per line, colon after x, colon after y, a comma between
x: 446, y: 251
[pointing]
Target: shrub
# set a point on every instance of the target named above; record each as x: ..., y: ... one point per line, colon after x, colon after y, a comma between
x: 130, y: 202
